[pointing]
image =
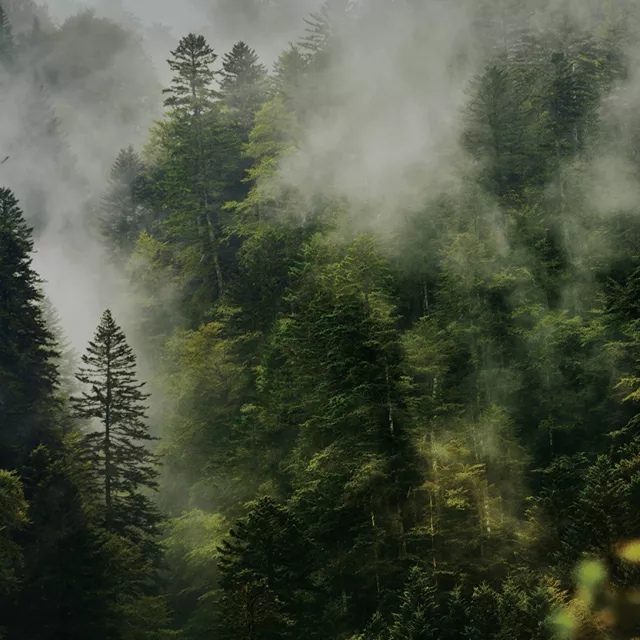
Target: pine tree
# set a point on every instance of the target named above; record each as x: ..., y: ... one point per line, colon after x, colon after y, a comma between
x: 290, y: 73
x: 196, y: 121
x: 28, y: 376
x: 68, y: 587
x: 265, y: 567
x: 243, y: 83
x: 13, y: 518
x: 193, y: 76
x: 66, y: 357
x: 495, y: 126
x: 123, y: 211
x: 418, y: 617
x: 322, y: 26
x: 123, y: 466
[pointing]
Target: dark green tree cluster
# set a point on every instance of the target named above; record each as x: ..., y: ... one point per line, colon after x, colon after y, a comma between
x: 78, y: 536
x: 365, y: 435
x: 432, y: 424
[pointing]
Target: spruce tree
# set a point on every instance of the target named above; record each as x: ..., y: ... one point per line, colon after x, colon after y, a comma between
x: 266, y: 566
x: 66, y: 357
x: 243, y: 83
x: 28, y: 375
x: 191, y: 85
x: 123, y: 467
x: 123, y: 214
x: 195, y: 116
x: 68, y: 587
x: 323, y: 29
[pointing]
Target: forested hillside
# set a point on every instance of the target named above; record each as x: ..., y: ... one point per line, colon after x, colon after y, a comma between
x: 378, y: 377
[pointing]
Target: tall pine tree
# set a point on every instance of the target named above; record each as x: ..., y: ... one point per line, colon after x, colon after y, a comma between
x: 243, y: 83
x: 123, y: 467
x: 123, y: 211
x: 28, y: 376
x: 191, y: 64
x: 191, y: 96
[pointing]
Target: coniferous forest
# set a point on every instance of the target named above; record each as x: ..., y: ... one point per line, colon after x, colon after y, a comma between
x: 376, y: 375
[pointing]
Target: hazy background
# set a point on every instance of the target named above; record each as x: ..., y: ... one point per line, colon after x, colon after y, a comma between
x: 110, y: 93
x: 389, y: 141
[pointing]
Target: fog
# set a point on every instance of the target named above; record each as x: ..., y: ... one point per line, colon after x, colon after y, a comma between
x: 109, y: 94
x: 390, y: 143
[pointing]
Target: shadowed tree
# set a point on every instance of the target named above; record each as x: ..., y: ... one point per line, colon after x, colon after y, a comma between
x: 28, y: 376
x: 123, y: 467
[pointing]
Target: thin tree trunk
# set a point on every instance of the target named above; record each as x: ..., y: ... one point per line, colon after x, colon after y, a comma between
x: 213, y: 240
x: 216, y: 255
x: 432, y: 523
x: 107, y: 444
x: 375, y: 545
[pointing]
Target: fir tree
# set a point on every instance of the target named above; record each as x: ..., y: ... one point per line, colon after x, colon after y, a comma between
x: 191, y: 64
x: 322, y: 31
x: 265, y: 567
x: 13, y: 518
x: 196, y: 122
x: 290, y: 73
x: 66, y: 357
x: 28, y: 375
x: 122, y: 465
x: 243, y: 82
x: 68, y: 588
x: 123, y: 211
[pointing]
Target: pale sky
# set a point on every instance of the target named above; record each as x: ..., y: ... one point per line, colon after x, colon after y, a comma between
x: 181, y: 15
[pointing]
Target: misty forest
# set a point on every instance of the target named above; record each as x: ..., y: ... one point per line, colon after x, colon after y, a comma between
x: 338, y: 340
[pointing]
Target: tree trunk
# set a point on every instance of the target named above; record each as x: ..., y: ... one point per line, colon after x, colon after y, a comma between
x: 107, y: 444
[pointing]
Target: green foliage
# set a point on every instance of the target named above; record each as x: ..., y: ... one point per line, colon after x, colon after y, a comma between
x: 28, y: 376
x: 123, y: 469
x: 265, y: 567
x: 66, y: 581
x: 419, y: 433
x: 243, y: 83
x: 123, y: 211
x: 191, y: 64
x: 13, y: 517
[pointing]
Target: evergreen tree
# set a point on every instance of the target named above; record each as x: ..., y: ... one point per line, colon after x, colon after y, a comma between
x: 13, y: 517
x: 122, y: 466
x: 496, y: 124
x: 198, y: 142
x: 290, y: 73
x: 265, y: 567
x: 28, y: 376
x: 123, y: 211
x: 191, y: 85
x: 243, y: 83
x: 418, y: 616
x: 323, y: 29
x: 68, y: 588
x: 66, y: 358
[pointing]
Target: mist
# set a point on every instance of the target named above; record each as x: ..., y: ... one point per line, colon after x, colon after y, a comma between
x: 96, y: 122
x: 382, y: 278
x: 390, y: 143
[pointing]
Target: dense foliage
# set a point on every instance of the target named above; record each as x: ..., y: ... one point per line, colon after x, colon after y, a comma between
x: 403, y: 410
